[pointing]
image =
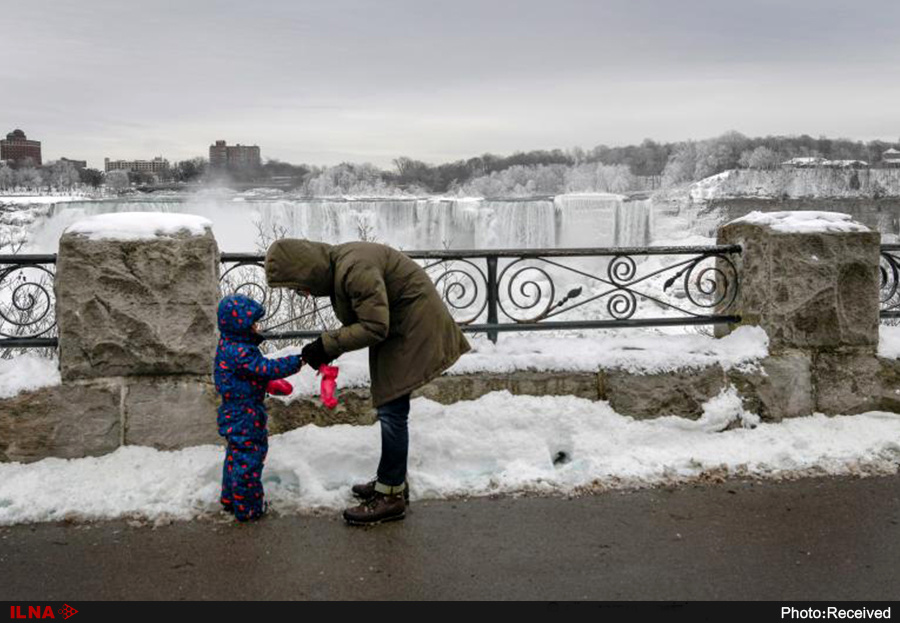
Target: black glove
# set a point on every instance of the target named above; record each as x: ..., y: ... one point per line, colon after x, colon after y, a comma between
x: 314, y: 354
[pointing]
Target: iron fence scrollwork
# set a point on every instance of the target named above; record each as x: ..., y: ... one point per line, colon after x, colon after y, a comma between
x: 492, y: 291
x: 889, y: 267
x: 27, y: 302
x: 486, y: 291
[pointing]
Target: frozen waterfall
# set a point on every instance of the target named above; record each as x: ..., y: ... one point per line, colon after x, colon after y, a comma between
x: 600, y: 220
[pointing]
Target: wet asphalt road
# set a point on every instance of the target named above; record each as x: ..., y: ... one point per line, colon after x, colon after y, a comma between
x: 808, y: 539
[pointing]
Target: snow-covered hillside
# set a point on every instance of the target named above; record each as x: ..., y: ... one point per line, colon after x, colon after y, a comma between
x: 798, y: 183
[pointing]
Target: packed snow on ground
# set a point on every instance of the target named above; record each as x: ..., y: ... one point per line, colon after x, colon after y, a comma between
x: 139, y: 225
x: 889, y: 341
x: 499, y: 443
x: 803, y: 222
x: 27, y: 372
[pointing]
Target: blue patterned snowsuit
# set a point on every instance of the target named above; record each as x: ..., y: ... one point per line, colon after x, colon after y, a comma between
x: 241, y: 374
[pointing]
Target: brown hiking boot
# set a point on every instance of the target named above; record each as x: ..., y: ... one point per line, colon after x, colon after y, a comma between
x: 367, y: 491
x: 376, y: 510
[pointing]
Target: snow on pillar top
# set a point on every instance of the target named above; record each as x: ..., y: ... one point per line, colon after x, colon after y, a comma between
x: 802, y: 222
x: 140, y: 226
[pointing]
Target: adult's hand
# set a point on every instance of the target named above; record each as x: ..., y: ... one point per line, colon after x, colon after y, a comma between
x: 314, y: 354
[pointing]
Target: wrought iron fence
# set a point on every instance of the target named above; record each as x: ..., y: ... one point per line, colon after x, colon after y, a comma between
x: 27, y: 302
x: 492, y: 291
x: 890, y: 280
x: 486, y: 291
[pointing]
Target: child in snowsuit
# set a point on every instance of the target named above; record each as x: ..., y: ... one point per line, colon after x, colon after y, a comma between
x: 241, y: 374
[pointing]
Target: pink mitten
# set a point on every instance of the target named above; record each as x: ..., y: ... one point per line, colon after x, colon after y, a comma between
x: 279, y: 387
x: 328, y: 385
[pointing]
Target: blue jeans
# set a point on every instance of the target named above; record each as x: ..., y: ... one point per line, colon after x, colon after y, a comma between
x: 394, y: 441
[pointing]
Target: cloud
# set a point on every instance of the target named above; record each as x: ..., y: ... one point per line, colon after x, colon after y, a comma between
x: 369, y: 81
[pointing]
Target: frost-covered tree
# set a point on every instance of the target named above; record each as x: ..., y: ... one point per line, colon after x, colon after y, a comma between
x: 760, y: 158
x: 681, y: 165
x: 62, y: 175
x: 117, y: 180
x: 348, y: 179
x: 578, y: 155
x: 29, y: 178
x: 7, y: 177
x: 615, y: 178
x: 90, y: 177
x: 189, y: 170
x: 549, y: 179
x: 594, y: 177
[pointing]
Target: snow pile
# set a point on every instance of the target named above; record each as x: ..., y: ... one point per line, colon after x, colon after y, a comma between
x: 25, y: 373
x: 797, y: 222
x: 719, y: 413
x: 139, y: 225
x: 640, y: 352
x: 889, y: 341
x: 632, y: 350
x: 497, y: 444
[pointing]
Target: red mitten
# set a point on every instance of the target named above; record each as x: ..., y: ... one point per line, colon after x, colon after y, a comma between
x: 279, y: 387
x: 328, y: 385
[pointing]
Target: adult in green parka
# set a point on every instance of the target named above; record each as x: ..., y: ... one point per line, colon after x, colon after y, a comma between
x: 386, y: 302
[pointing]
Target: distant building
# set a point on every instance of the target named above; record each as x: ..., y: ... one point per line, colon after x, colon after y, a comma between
x: 78, y: 164
x: 222, y: 156
x: 891, y: 158
x: 17, y: 148
x: 158, y: 165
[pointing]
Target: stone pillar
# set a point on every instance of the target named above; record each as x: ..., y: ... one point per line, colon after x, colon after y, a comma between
x: 811, y: 289
x: 136, y: 307
x: 812, y: 281
x: 136, y: 298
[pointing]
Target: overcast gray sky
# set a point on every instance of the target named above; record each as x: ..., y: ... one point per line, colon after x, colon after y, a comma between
x: 323, y: 82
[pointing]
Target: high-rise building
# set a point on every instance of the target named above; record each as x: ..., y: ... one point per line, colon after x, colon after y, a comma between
x: 157, y: 165
x: 17, y: 148
x: 222, y: 156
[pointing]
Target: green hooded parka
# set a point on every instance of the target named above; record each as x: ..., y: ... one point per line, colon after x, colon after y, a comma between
x: 385, y: 301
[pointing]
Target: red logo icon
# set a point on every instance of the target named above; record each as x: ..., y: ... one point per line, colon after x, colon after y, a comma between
x: 67, y: 611
x: 36, y: 612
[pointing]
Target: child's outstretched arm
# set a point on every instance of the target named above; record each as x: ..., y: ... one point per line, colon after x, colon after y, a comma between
x: 253, y: 362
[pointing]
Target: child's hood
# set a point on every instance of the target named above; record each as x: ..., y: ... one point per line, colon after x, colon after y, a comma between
x: 237, y: 313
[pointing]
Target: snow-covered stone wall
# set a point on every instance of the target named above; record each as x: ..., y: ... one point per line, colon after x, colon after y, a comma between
x: 137, y: 305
